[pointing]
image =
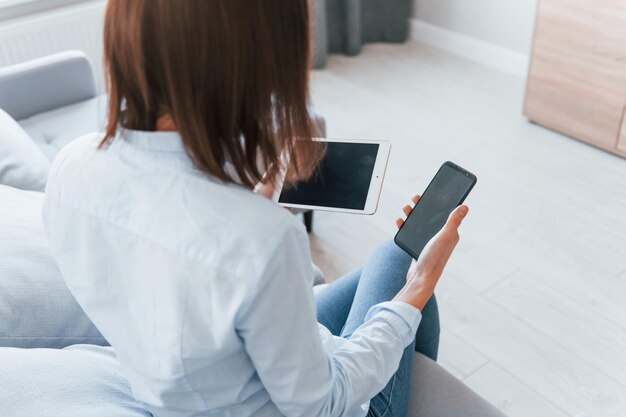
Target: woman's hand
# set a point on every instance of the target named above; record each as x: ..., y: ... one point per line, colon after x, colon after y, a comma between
x: 407, y: 210
x: 424, y: 273
x: 266, y: 190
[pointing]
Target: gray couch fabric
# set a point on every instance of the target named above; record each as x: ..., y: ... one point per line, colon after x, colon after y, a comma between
x: 77, y: 381
x: 343, y: 26
x: 45, y: 84
x: 436, y: 393
x: 54, y: 129
x: 22, y: 164
x: 37, y: 310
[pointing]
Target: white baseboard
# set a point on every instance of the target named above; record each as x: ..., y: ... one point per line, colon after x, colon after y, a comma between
x: 471, y: 48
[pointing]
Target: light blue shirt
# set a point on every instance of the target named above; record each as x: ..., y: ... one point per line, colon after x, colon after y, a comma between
x: 204, y: 289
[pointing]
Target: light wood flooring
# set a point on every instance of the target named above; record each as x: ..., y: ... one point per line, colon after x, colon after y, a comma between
x: 533, y: 303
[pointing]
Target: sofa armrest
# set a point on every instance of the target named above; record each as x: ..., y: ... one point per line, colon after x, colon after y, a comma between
x: 46, y: 84
x: 436, y: 393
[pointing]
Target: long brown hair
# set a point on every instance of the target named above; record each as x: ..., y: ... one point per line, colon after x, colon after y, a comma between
x: 231, y: 74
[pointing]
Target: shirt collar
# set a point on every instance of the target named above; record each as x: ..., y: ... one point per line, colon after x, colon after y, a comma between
x: 167, y: 145
x: 153, y: 141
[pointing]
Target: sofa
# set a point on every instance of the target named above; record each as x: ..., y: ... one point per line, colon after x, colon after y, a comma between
x: 53, y: 361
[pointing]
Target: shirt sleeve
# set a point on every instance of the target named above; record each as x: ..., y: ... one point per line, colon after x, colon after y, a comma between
x: 280, y: 332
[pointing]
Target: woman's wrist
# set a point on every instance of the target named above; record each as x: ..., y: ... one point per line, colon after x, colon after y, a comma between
x: 416, y: 292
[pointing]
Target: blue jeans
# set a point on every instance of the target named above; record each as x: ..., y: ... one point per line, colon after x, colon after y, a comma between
x: 343, y: 305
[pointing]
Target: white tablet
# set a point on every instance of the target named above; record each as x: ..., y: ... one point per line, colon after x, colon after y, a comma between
x: 349, y: 178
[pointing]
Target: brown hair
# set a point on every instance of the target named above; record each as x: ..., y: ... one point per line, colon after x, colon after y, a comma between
x: 231, y: 74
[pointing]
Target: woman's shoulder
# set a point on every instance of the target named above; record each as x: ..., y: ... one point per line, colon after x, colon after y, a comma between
x: 83, y: 145
x: 254, y: 219
x: 80, y: 149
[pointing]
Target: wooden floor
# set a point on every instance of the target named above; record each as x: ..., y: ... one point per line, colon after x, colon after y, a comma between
x: 533, y: 303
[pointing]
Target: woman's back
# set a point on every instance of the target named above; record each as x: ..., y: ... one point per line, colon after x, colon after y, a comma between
x: 202, y: 287
x: 169, y: 264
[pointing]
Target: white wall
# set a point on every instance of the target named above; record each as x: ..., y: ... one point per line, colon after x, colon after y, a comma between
x: 77, y: 26
x: 505, y: 24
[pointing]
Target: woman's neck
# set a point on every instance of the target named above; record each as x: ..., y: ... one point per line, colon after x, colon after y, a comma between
x: 165, y: 124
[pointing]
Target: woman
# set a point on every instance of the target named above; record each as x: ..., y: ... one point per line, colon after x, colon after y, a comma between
x: 203, y: 287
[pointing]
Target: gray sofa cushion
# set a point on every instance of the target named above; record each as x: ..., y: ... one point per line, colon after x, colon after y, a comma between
x: 22, y: 164
x: 36, y: 308
x: 436, y: 393
x: 78, y: 381
x: 54, y: 129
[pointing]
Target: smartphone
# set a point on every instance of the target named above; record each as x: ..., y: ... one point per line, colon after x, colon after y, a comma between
x: 448, y: 190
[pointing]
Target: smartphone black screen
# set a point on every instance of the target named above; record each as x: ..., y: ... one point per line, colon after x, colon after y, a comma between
x: 446, y: 192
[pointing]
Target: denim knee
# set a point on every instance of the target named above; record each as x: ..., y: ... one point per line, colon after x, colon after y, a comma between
x: 390, y: 252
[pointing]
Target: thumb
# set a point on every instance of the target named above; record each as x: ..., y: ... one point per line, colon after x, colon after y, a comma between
x: 457, y: 216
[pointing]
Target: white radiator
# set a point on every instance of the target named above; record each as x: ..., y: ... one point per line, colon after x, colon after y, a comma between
x: 72, y: 27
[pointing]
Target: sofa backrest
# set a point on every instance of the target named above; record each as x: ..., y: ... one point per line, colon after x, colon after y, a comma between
x: 46, y: 84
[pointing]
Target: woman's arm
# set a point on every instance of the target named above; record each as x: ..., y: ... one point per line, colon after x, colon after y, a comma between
x: 424, y: 274
x: 281, y: 336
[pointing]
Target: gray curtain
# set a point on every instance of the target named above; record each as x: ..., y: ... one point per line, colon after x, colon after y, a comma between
x: 342, y: 26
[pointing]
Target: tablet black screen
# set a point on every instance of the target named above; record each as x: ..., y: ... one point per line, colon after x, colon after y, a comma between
x: 342, y: 180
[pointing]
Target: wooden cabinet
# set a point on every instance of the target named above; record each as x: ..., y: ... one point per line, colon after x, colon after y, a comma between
x: 621, y: 142
x: 577, y: 77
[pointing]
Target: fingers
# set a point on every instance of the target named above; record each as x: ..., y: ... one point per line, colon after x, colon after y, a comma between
x: 457, y: 216
x: 407, y: 210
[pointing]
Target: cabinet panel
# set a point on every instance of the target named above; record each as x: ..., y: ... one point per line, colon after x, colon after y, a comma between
x: 621, y: 142
x: 577, y: 78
